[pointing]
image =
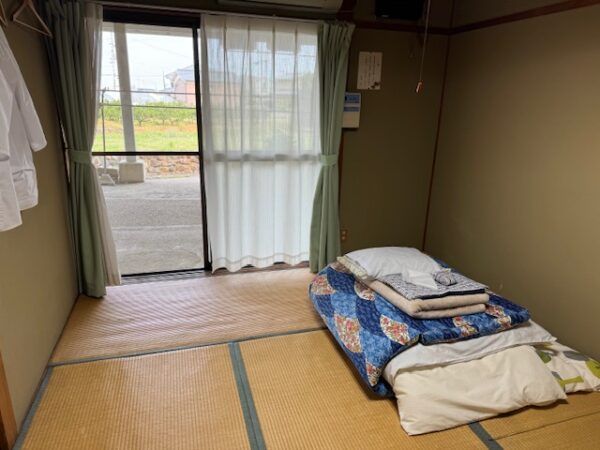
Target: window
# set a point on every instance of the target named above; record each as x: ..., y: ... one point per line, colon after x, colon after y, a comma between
x: 260, y: 149
x: 146, y: 147
x: 148, y: 96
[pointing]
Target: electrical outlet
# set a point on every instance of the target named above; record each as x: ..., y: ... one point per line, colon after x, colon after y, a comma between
x: 343, y: 234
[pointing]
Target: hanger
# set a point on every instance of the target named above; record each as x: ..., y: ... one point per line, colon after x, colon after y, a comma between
x: 3, y: 20
x: 29, y: 4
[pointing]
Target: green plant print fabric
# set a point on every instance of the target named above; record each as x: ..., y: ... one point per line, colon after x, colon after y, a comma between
x: 574, y: 371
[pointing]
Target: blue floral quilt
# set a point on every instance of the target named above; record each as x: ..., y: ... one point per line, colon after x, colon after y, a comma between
x: 372, y: 331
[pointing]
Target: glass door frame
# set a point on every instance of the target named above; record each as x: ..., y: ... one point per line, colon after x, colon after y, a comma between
x: 126, y: 15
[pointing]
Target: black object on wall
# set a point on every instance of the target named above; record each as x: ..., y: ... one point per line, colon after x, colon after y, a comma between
x: 399, y: 9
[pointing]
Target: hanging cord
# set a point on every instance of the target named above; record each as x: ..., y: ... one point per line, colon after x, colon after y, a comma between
x: 420, y: 83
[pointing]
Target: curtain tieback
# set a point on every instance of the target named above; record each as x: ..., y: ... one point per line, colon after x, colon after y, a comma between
x: 329, y: 160
x: 80, y: 157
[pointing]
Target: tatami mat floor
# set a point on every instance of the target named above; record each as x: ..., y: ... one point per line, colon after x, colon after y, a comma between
x: 142, y: 318
x: 176, y: 400
x: 306, y: 396
x: 294, y: 390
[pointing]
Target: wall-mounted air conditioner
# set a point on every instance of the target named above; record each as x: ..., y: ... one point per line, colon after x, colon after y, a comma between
x: 324, y: 6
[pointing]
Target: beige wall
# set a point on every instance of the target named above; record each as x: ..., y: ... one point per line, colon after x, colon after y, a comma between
x: 37, y: 285
x: 387, y: 160
x: 515, y: 199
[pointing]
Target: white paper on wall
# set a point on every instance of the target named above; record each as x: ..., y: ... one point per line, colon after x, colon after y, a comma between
x: 369, y: 70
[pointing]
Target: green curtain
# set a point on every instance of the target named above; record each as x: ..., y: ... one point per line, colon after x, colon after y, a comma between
x: 334, y: 46
x: 72, y: 56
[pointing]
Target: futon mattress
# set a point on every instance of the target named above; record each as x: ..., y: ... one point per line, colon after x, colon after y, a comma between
x: 371, y: 331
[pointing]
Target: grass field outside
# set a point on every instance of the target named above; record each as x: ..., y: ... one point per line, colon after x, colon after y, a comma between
x: 148, y: 137
x: 171, y: 127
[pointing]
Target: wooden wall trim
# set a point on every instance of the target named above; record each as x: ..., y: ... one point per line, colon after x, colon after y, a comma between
x: 395, y: 26
x: 528, y: 14
x: 8, y: 425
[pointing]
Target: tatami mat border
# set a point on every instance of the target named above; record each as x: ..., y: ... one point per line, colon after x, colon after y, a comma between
x: 484, y: 436
x: 33, y: 409
x: 183, y: 347
x: 255, y: 436
x: 251, y: 419
x: 527, y: 431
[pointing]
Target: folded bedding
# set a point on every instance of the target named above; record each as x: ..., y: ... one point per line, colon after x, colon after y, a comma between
x: 372, y: 331
x: 448, y: 306
x: 451, y: 312
x: 447, y: 385
x: 449, y: 357
x: 411, y: 275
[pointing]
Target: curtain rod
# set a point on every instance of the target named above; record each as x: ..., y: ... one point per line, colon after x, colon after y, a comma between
x: 194, y: 11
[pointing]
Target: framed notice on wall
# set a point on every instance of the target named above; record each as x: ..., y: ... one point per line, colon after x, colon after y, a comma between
x: 351, y: 117
x: 369, y: 70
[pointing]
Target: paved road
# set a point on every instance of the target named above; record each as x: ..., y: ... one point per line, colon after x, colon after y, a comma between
x: 157, y: 225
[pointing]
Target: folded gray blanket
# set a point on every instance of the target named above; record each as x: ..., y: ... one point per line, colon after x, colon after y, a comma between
x: 462, y: 286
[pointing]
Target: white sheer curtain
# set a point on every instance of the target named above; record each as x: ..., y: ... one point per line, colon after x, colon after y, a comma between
x: 261, y: 124
x: 93, y: 24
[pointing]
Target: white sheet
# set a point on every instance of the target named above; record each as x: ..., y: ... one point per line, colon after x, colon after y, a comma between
x: 420, y: 356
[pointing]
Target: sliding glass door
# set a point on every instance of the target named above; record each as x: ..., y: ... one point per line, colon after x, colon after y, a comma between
x: 148, y: 148
x: 261, y: 114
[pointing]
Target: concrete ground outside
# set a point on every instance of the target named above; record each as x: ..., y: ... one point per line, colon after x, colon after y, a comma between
x: 157, y: 224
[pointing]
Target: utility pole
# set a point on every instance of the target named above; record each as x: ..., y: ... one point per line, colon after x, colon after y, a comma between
x: 131, y: 171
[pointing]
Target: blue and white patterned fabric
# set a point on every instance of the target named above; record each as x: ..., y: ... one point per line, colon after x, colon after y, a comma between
x: 372, y: 331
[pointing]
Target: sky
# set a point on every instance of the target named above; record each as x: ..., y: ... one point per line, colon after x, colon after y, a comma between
x: 150, y: 58
x: 157, y: 51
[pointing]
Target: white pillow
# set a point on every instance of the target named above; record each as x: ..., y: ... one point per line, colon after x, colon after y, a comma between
x: 381, y: 261
x: 419, y: 356
x: 448, y: 396
x: 574, y: 371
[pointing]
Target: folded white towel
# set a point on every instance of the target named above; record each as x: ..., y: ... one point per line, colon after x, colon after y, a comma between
x: 419, y: 278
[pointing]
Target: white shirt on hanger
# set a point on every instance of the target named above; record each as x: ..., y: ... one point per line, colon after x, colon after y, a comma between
x: 25, y: 132
x: 10, y: 215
